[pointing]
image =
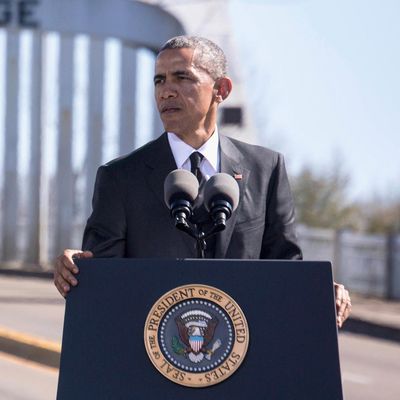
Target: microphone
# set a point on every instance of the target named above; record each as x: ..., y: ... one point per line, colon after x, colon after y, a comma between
x: 221, y: 198
x: 181, y: 188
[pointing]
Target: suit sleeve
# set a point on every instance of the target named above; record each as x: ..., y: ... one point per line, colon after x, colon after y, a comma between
x: 279, y: 239
x: 105, y: 232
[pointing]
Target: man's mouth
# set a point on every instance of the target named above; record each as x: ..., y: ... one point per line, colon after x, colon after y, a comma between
x: 169, y: 109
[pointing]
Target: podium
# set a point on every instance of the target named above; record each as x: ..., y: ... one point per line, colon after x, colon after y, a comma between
x: 289, y: 307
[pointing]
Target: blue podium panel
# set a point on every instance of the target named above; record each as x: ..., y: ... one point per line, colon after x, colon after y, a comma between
x: 289, y: 307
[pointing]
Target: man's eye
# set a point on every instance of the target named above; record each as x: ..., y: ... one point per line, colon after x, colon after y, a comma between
x: 157, y: 81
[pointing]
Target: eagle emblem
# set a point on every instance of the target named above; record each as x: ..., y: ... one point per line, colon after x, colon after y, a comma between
x: 196, y: 330
x: 196, y: 335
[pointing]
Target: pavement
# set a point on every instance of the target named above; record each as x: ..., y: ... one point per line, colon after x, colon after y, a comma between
x: 32, y: 315
x: 31, y: 318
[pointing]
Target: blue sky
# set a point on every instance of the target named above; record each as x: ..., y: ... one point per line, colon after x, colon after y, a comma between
x: 322, y: 78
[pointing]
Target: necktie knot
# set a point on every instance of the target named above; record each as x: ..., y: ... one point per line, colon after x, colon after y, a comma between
x: 195, y: 161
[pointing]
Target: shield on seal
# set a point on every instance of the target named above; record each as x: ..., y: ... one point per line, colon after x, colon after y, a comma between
x: 196, y: 329
x: 196, y: 343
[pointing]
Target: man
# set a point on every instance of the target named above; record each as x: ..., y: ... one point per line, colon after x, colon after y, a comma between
x: 129, y: 217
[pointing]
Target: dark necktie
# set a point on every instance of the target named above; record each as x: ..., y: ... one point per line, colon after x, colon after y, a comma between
x: 201, y: 216
x: 195, y: 160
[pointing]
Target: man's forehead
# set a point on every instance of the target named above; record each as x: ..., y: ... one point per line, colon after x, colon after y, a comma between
x: 174, y: 60
x: 183, y: 56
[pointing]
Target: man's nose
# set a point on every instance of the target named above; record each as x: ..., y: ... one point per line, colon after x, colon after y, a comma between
x: 167, y: 92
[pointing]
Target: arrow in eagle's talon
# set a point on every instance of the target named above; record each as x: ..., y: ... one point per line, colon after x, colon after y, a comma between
x: 216, y: 346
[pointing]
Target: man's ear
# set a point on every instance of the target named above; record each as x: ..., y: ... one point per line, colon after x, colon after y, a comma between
x: 224, y: 88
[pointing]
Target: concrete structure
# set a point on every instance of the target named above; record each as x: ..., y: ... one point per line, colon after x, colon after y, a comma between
x: 45, y: 191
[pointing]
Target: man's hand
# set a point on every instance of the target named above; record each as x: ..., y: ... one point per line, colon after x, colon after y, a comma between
x: 65, y: 269
x: 343, y: 304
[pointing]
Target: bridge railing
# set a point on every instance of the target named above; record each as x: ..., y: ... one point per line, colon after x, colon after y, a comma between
x: 367, y: 264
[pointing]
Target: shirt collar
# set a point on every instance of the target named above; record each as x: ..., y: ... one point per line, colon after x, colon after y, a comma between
x: 181, y: 150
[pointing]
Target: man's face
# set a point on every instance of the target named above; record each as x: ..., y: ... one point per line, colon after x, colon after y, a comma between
x: 184, y: 93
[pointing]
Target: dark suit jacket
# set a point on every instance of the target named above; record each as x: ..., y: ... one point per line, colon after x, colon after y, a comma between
x: 130, y: 218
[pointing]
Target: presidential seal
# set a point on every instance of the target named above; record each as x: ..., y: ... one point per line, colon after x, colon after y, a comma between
x: 196, y: 335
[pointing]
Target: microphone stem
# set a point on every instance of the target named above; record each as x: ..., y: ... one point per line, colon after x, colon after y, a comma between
x: 201, y: 244
x: 201, y: 247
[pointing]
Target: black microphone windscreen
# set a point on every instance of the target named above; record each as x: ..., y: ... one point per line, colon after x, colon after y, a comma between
x: 221, y: 187
x: 180, y: 184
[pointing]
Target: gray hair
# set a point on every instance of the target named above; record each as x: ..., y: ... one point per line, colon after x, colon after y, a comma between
x: 208, y: 56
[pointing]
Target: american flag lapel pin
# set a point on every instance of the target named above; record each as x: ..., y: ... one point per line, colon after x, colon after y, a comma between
x: 238, y: 177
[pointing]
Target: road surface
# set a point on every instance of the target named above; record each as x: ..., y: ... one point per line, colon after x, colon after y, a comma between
x: 370, y: 371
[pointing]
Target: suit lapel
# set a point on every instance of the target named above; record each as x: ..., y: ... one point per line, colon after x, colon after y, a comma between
x: 231, y: 164
x: 160, y: 163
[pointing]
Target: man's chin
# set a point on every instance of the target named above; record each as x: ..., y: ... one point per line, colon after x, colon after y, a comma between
x: 170, y: 126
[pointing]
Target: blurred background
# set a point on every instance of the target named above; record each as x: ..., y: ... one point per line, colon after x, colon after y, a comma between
x: 316, y: 81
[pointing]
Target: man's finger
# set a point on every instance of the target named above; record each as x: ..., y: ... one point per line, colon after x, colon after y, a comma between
x: 65, y: 269
x: 67, y: 260
x: 78, y: 255
x: 68, y: 277
x: 64, y: 285
x: 339, y: 294
x: 347, y: 311
x: 343, y: 304
x: 343, y: 313
x: 60, y: 284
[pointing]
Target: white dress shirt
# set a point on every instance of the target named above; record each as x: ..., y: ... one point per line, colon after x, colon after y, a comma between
x: 210, y: 164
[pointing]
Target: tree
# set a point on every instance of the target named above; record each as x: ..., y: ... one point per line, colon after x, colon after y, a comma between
x: 382, y: 215
x: 321, y: 199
